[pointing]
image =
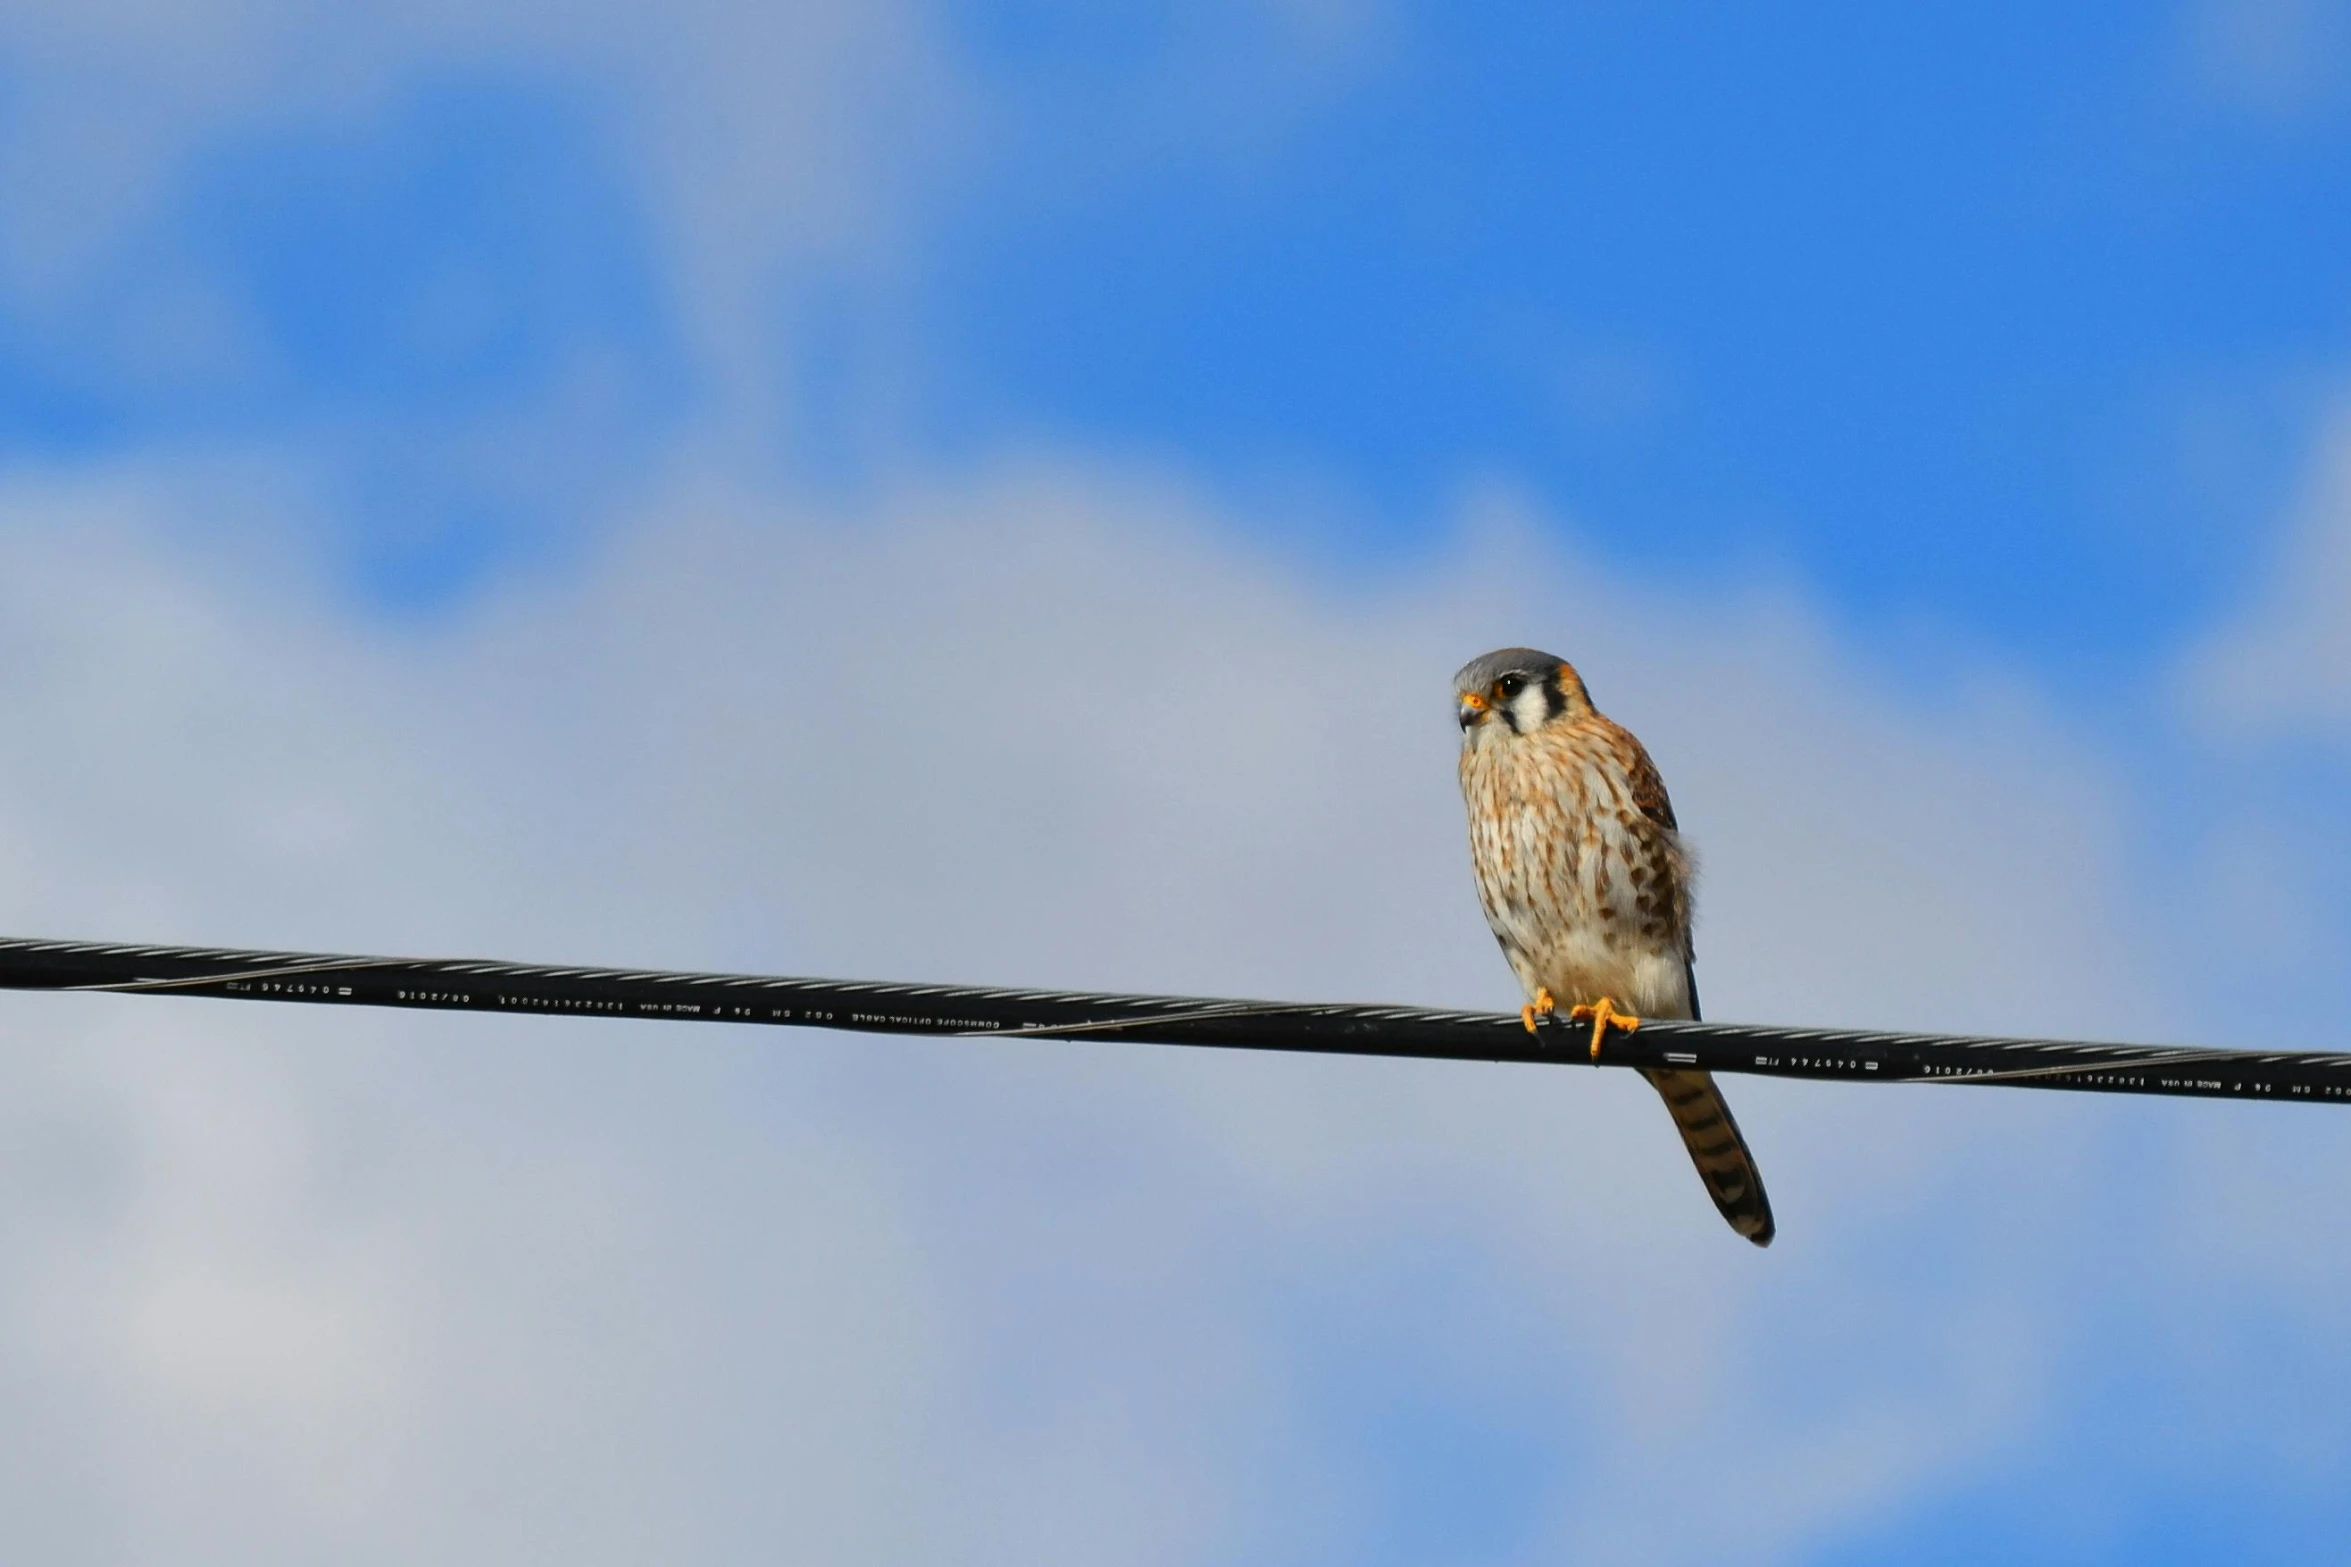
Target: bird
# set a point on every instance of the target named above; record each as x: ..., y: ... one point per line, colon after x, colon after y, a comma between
x: 1586, y: 881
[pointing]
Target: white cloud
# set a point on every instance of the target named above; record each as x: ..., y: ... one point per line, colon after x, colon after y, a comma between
x: 473, y: 1289
x: 797, y: 118
x: 768, y: 149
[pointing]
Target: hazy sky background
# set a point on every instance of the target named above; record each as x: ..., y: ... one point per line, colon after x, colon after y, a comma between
x: 998, y: 492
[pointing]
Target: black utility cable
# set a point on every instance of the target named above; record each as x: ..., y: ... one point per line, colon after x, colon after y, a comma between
x: 962, y: 1011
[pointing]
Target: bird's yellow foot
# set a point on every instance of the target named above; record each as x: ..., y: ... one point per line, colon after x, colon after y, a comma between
x: 1602, y: 1015
x: 1544, y: 1006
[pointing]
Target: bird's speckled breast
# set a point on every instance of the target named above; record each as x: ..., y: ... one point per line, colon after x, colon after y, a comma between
x: 1587, y: 893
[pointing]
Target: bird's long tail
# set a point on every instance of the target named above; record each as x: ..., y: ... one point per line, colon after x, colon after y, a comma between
x: 1717, y: 1149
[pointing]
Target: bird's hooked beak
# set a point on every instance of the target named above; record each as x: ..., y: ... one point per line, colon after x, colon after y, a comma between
x: 1474, y: 708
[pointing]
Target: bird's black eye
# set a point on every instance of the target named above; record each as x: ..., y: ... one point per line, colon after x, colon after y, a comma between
x: 1511, y: 685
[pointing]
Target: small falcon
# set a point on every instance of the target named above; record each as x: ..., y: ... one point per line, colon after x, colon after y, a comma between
x: 1586, y: 881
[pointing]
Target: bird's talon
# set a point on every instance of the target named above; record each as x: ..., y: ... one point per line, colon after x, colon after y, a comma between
x: 1602, y: 1015
x: 1543, y: 1007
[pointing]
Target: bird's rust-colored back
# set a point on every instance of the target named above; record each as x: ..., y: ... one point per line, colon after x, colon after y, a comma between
x: 1586, y: 882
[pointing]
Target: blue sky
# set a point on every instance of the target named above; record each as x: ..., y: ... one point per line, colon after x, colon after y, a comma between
x: 1968, y: 313
x: 1979, y: 317
x: 997, y: 491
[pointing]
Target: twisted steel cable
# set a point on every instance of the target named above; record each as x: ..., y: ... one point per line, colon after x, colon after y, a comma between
x: 968, y: 1011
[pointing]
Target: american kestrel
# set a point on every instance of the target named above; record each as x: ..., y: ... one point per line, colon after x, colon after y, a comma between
x: 1586, y: 881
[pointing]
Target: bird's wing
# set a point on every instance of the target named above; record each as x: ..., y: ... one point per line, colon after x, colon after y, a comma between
x: 1716, y: 1148
x: 1648, y: 785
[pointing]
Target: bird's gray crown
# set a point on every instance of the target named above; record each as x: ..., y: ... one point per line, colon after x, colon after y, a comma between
x: 1480, y: 673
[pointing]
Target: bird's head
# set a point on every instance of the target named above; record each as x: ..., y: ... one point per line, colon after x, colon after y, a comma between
x: 1517, y: 691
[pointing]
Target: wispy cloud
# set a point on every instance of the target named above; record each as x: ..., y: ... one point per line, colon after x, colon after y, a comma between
x: 459, y: 1284
x: 2284, y: 661
x: 2279, y: 59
